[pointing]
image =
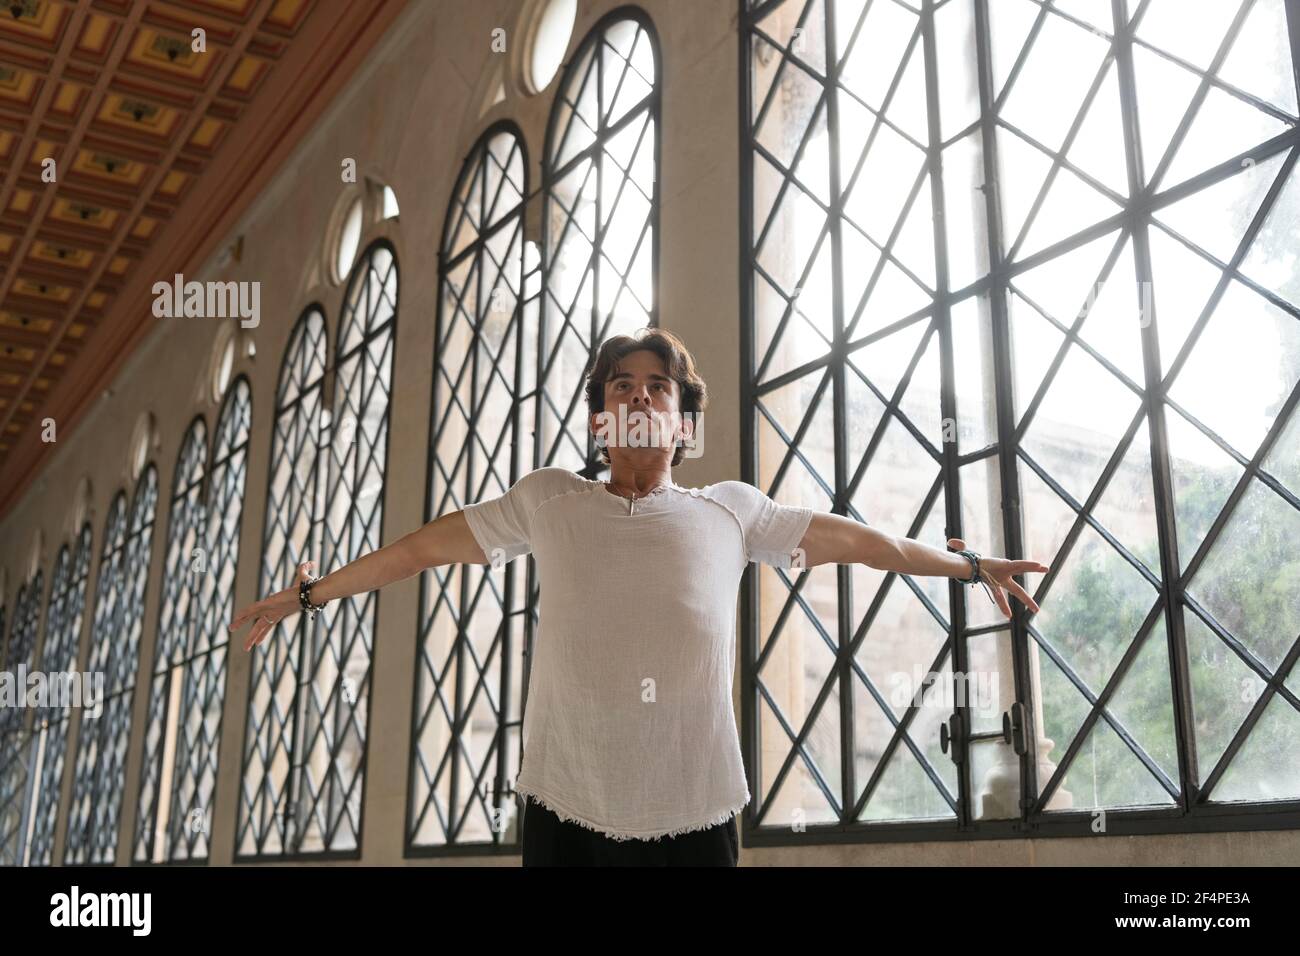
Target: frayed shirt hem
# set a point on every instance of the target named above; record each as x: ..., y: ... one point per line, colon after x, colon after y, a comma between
x: 618, y: 836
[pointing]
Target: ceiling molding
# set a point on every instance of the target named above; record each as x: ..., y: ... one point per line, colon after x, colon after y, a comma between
x: 72, y: 278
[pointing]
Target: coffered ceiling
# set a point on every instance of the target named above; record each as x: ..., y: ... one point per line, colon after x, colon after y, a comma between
x: 153, y: 147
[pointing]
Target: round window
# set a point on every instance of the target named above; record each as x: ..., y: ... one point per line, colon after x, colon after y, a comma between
x: 225, y: 365
x: 349, y: 239
x: 390, y: 203
x: 554, y: 27
x: 141, y: 439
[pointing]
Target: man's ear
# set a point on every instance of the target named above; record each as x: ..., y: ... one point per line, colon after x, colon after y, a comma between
x: 688, y: 425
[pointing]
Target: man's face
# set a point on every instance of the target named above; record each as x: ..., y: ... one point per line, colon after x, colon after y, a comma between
x: 641, y: 406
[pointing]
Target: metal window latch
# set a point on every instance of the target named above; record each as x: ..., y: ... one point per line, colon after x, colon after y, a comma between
x: 1013, y: 728
x: 951, y: 733
x: 1014, y: 732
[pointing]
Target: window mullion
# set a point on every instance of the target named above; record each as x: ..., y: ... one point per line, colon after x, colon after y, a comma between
x: 1003, y: 385
x: 1162, y: 478
x: 942, y: 319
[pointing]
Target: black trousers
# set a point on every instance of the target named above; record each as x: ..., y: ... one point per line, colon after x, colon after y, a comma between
x: 550, y: 841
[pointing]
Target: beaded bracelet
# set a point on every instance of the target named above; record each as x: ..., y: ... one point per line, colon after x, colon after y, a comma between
x: 974, y: 559
x: 304, y: 597
x: 975, y: 578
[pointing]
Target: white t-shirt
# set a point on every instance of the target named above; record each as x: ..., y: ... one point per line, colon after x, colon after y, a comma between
x: 629, y: 728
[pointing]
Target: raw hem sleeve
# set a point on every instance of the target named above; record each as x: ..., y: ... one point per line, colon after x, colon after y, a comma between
x: 786, y: 526
x: 502, y: 526
x: 772, y: 530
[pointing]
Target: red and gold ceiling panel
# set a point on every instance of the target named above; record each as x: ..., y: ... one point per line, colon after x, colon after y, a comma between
x: 135, y: 102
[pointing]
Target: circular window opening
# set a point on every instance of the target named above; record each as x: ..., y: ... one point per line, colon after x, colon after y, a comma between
x: 80, y: 507
x: 34, y: 557
x: 141, y: 439
x: 349, y: 239
x: 223, y: 367
x: 554, y: 27
x: 390, y: 203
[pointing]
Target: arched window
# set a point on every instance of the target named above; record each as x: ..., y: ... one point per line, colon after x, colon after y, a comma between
x: 59, y: 654
x: 306, y: 777
x: 16, y: 740
x: 294, y: 506
x: 177, y: 612
x: 178, y: 776
x: 100, y: 769
x: 469, y: 673
x: 1025, y: 278
x: 600, y: 222
x: 336, y: 695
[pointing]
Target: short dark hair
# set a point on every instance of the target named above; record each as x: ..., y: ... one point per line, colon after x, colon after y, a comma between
x: 677, y: 360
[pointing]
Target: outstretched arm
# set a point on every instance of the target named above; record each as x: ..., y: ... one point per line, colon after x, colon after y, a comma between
x: 445, y: 540
x: 834, y: 539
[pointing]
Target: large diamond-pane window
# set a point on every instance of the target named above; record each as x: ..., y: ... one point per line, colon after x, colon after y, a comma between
x: 304, y: 752
x: 294, y: 506
x: 17, y: 751
x: 1022, y: 272
x: 330, y: 746
x: 182, y: 735
x: 51, y: 724
x: 100, y: 768
x: 471, y: 665
x: 600, y: 219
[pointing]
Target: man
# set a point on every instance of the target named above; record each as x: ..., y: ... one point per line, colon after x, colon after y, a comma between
x: 631, y: 754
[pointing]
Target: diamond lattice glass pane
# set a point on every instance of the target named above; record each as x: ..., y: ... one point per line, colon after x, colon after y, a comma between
x: 1070, y: 206
x: 1252, y: 575
x: 878, y: 50
x: 1106, y: 772
x: 1051, y: 87
x: 1224, y: 127
x: 1164, y: 92
x: 1283, y: 460
x: 1127, y: 507
x: 1094, y: 609
x: 1098, y: 149
x: 796, y: 107
x: 1144, y: 702
x: 1118, y: 311
x: 1079, y: 423
x: 1204, y: 476
x: 1191, y: 30
x: 1224, y: 690
x: 1272, y: 259
x: 1216, y: 217
x: 1182, y: 282
x: 1256, y: 773
x: 1260, y: 60
x: 801, y: 799
x: 1241, y: 369
x: 890, y: 158
x: 913, y: 785
x: 1010, y: 24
